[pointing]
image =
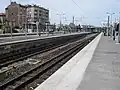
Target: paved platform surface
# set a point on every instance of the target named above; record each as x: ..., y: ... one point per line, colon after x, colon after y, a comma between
x: 103, y: 72
x: 69, y: 76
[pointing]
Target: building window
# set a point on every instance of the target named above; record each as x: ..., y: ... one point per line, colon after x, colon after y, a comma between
x: 40, y: 15
x: 36, y: 10
x: 40, y: 11
x: 20, y: 13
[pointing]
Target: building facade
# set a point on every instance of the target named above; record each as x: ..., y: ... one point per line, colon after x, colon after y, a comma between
x: 2, y: 20
x: 16, y: 14
x: 37, y: 14
x: 27, y: 16
x: 2, y: 17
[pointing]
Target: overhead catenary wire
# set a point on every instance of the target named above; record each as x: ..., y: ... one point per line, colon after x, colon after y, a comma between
x: 82, y: 10
x: 79, y: 7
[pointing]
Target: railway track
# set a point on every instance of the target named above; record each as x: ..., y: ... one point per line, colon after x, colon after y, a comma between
x: 22, y: 80
x: 7, y: 60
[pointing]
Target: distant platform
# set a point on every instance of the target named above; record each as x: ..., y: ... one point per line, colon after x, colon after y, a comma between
x: 70, y: 75
x: 9, y: 40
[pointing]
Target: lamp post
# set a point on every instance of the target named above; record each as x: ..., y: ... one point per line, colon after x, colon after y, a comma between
x: 7, y: 25
x: 108, y: 25
x: 11, y: 23
x: 66, y: 22
x: 111, y: 14
x: 25, y: 24
x: 60, y: 15
x: 119, y: 31
x: 37, y: 23
x: 104, y: 25
x: 11, y: 27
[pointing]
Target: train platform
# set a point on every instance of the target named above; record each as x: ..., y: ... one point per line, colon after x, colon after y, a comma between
x: 103, y: 72
x: 17, y: 39
x: 96, y: 67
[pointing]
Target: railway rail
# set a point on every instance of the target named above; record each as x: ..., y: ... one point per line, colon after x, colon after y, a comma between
x: 29, y: 76
x: 9, y: 58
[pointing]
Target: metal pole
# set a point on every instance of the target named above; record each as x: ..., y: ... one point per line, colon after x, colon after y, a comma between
x: 73, y: 19
x: 26, y: 26
x: 114, y: 29
x: 26, y: 29
x: 60, y: 22
x: 11, y: 30
x: 60, y: 18
x: 46, y: 27
x: 114, y: 34
x: 119, y: 32
x: 108, y: 26
x: 111, y: 30
x: 37, y: 27
x: 111, y: 27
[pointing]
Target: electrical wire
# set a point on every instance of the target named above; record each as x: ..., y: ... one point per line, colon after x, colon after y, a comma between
x: 79, y: 7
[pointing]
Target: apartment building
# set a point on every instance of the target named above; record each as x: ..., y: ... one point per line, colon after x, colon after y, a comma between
x: 26, y: 16
x: 16, y: 14
x: 37, y: 14
x: 2, y: 20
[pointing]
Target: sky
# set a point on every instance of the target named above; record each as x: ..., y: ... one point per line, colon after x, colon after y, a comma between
x: 93, y: 12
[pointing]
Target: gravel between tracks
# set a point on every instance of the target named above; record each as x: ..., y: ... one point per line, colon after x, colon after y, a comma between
x: 23, y: 66
x: 43, y: 77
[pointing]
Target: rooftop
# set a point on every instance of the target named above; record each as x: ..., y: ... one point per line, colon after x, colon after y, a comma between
x: 2, y: 14
x: 37, y: 6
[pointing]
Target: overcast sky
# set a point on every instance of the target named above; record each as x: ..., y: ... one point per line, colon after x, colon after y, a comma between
x: 89, y: 11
